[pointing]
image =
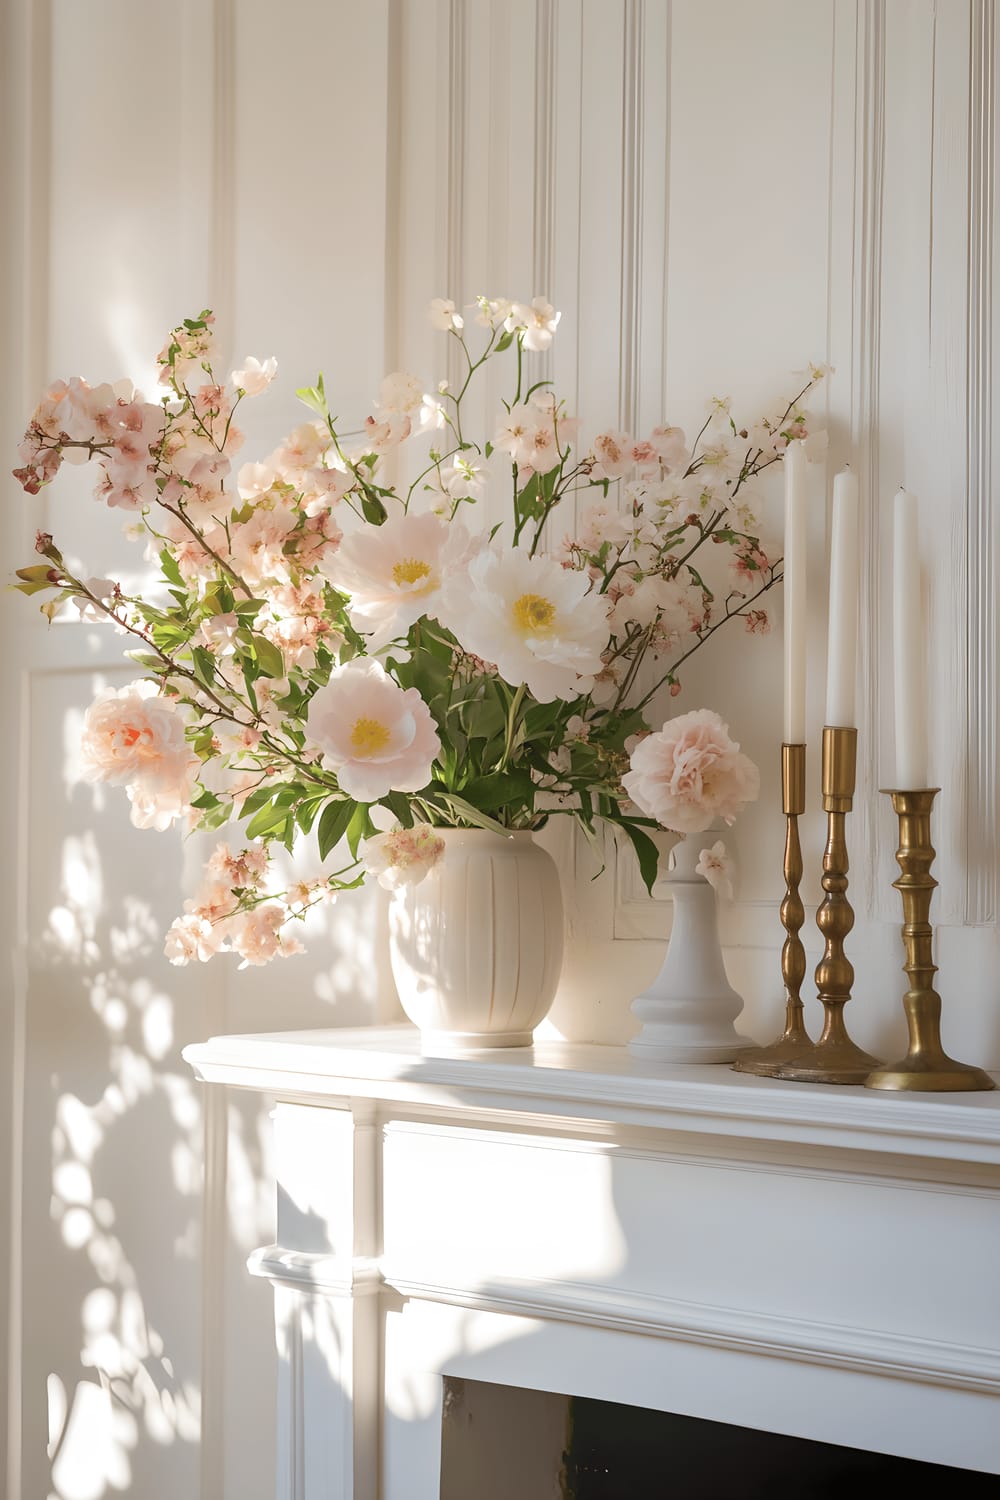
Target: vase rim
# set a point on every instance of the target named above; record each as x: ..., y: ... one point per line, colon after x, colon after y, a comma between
x: 513, y: 835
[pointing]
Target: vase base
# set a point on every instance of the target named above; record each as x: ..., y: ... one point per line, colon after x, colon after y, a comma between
x: 458, y: 1043
x: 696, y: 1052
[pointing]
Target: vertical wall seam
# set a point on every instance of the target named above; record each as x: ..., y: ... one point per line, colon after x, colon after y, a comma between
x: 222, y: 280
x: 981, y: 549
x: 867, y: 273
x: 632, y: 218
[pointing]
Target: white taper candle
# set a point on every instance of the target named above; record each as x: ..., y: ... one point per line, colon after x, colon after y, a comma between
x: 842, y: 645
x: 908, y: 648
x: 794, y: 568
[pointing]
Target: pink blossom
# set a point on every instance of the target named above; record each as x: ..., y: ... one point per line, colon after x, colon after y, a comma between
x: 671, y: 445
x: 403, y: 856
x: 256, y: 935
x: 381, y: 437
x: 245, y: 869
x: 254, y: 377
x: 191, y: 937
x: 613, y: 454
x: 257, y: 546
x: 691, y: 772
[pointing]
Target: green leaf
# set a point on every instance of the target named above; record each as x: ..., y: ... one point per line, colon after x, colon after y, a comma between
x: 314, y: 396
x: 360, y: 827
x: 471, y: 814
x: 399, y: 806
x: 170, y: 570
x: 504, y: 342
x: 31, y: 588
x: 266, y: 821
x: 333, y: 825
x: 646, y: 853
x: 269, y: 658
x: 204, y: 666
x: 373, y: 509
x: 305, y: 813
x: 216, y: 816
x: 499, y: 790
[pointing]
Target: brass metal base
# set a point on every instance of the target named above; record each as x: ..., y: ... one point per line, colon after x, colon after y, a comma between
x: 840, y: 1062
x: 926, y: 1068
x: 930, y: 1076
x: 834, y: 1058
x: 766, y: 1062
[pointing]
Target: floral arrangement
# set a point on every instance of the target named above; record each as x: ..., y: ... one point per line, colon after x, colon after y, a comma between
x: 331, y: 651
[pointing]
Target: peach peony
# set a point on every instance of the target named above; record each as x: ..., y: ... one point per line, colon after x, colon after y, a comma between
x: 690, y: 773
x: 135, y: 738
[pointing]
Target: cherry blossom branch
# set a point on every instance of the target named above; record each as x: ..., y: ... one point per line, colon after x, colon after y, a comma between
x: 730, y: 614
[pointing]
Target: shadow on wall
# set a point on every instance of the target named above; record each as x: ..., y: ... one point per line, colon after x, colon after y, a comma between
x: 113, y: 1137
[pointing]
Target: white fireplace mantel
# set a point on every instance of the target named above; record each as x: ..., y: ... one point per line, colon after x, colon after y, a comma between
x: 815, y: 1261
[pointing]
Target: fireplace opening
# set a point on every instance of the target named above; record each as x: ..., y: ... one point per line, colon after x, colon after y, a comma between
x: 508, y: 1443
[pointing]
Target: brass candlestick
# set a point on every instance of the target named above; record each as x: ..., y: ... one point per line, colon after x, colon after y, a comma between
x: 766, y: 1062
x: 926, y: 1068
x: 834, y: 1058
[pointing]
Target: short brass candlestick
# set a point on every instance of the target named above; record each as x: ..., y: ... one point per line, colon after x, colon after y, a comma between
x: 766, y: 1062
x: 926, y: 1068
x: 834, y: 1058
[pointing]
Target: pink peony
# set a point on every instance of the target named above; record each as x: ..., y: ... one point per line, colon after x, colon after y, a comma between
x: 690, y: 773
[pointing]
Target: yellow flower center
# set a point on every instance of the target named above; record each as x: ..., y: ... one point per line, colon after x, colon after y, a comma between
x: 410, y: 570
x: 369, y: 736
x: 532, y: 612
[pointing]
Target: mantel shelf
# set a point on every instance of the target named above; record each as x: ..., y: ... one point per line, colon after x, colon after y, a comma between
x: 581, y: 1081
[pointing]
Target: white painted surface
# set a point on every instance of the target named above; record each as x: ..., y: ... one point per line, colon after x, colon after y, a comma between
x: 318, y: 179
x: 686, y: 1239
x: 689, y: 1010
x: 476, y: 946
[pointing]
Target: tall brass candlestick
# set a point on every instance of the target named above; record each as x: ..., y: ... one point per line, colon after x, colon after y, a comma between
x: 926, y: 1068
x: 766, y: 1062
x: 834, y: 1058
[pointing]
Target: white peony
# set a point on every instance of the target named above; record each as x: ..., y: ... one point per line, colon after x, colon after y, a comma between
x: 379, y: 737
x: 535, y: 619
x: 393, y: 573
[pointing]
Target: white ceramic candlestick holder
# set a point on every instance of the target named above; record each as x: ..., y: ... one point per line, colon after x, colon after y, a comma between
x: 689, y: 1010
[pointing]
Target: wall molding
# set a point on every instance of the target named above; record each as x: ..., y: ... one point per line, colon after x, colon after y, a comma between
x: 869, y: 163
x: 632, y: 205
x: 982, y: 553
x: 862, y: 1350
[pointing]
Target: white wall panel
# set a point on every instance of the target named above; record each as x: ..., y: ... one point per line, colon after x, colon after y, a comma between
x: 713, y: 193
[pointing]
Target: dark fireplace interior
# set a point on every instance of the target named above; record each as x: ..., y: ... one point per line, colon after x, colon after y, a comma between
x: 504, y: 1443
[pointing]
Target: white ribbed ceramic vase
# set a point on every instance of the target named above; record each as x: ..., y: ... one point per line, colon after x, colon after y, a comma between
x: 476, y: 948
x: 688, y: 1013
